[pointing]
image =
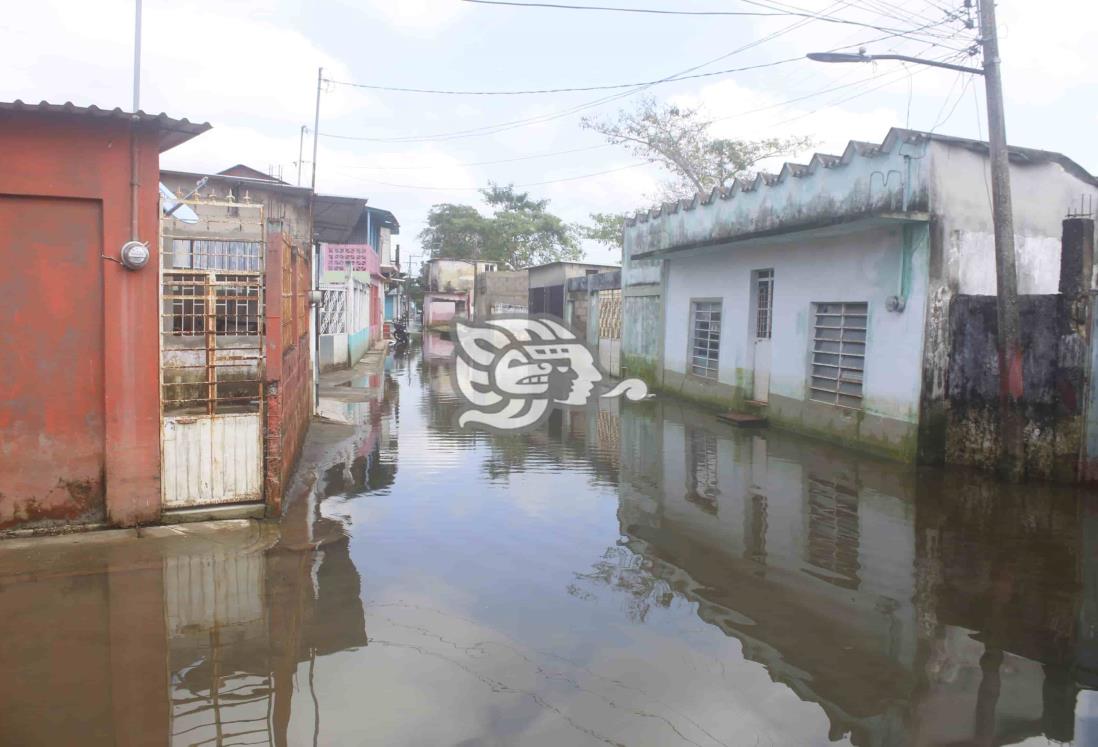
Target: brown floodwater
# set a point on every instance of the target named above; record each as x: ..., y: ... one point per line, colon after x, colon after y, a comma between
x: 632, y: 574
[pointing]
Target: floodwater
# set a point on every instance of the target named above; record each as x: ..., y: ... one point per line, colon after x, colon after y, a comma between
x: 635, y: 574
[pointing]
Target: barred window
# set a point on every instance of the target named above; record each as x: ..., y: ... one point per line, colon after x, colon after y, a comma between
x: 705, y: 338
x: 838, y: 354
x: 764, y: 303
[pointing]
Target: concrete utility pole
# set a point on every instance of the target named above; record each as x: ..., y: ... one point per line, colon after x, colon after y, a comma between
x: 1011, y: 422
x: 1009, y: 340
x: 316, y: 121
x: 300, y: 151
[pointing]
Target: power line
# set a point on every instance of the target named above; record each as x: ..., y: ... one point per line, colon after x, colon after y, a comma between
x: 800, y: 12
x: 436, y: 167
x: 654, y: 11
x: 504, y: 126
x: 647, y: 83
x: 518, y: 186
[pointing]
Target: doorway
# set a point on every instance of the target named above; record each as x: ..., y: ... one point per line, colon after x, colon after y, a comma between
x: 762, y: 293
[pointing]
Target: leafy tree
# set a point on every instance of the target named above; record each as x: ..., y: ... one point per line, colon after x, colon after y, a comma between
x: 519, y: 232
x: 605, y: 228
x: 678, y: 139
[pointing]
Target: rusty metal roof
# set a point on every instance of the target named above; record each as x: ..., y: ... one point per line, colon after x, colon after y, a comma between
x: 173, y: 131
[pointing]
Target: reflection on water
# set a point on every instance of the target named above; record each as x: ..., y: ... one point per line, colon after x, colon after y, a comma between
x: 632, y: 574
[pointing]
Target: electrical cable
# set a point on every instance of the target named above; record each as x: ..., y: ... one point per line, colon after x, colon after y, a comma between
x: 504, y: 126
x: 436, y: 167
x: 517, y: 186
x: 801, y: 13
x: 647, y: 83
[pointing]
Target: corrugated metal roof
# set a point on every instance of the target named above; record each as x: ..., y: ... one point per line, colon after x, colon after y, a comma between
x: 172, y: 131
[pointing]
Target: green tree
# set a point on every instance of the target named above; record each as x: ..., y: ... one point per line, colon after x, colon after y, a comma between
x: 678, y: 139
x: 605, y: 228
x: 519, y: 231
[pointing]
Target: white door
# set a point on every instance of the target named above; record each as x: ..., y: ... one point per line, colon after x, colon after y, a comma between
x: 763, y: 301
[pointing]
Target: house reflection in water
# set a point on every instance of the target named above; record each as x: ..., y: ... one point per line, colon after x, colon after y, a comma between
x: 192, y: 639
x: 914, y: 608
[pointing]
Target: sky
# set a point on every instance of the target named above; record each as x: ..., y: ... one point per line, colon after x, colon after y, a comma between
x: 250, y: 68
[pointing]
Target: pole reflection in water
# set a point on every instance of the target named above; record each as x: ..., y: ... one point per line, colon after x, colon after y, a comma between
x: 629, y: 574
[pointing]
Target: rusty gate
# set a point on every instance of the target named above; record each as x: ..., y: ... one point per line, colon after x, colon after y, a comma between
x: 212, y: 355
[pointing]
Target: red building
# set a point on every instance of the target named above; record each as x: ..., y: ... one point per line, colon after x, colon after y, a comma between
x: 112, y: 375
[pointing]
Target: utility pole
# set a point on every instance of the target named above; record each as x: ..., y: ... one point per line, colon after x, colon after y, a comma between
x: 137, y: 57
x: 300, y: 152
x: 1009, y: 340
x: 1011, y: 423
x: 316, y: 121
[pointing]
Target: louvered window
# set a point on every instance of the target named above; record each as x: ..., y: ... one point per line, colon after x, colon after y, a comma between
x: 838, y: 354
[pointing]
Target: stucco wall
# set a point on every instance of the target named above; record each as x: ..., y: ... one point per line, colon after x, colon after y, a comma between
x: 859, y: 267
x: 62, y: 158
x: 1043, y: 193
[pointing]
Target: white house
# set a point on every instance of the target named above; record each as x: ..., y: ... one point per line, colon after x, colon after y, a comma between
x: 821, y: 294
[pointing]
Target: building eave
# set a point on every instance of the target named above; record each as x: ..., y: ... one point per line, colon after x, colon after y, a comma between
x: 824, y: 228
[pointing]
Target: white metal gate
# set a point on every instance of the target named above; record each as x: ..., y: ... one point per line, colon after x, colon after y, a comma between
x: 212, y: 355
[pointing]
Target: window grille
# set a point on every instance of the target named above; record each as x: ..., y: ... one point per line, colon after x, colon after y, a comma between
x: 702, y: 475
x: 610, y: 314
x: 705, y: 338
x: 833, y: 533
x: 838, y: 354
x: 764, y: 303
x: 333, y: 312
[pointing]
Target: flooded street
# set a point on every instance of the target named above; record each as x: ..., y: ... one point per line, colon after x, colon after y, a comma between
x: 639, y: 574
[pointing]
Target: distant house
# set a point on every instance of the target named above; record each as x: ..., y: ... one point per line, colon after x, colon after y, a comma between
x: 450, y: 288
x: 547, y: 284
x: 360, y: 277
x: 824, y: 295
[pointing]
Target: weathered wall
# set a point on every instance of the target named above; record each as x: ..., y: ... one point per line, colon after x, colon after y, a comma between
x: 1054, y: 341
x: 866, y: 179
x: 1044, y: 192
x: 285, y: 208
x: 450, y: 276
x: 289, y: 379
x: 864, y: 266
x: 500, y: 287
x: 61, y: 159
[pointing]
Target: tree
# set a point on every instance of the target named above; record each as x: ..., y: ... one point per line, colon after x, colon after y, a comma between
x: 519, y: 233
x: 605, y: 228
x: 678, y: 139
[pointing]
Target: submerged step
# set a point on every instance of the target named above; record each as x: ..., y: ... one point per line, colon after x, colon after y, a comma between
x: 742, y: 419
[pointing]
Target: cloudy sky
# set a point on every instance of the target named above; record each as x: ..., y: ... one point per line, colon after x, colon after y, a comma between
x: 250, y: 69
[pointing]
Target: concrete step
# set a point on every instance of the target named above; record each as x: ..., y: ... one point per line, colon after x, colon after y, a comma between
x: 742, y: 419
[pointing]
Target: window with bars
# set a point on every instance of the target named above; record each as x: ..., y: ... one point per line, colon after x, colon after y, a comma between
x: 705, y: 338
x: 702, y: 476
x: 838, y: 354
x: 764, y: 303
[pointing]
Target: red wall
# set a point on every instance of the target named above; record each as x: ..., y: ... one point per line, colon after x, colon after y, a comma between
x: 289, y: 381
x: 75, y: 157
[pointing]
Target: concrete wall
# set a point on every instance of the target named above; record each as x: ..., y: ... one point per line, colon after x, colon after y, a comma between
x: 863, y: 266
x: 500, y: 287
x: 285, y: 209
x: 450, y: 275
x: 1043, y: 193
x: 556, y: 273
